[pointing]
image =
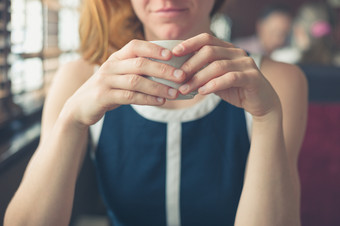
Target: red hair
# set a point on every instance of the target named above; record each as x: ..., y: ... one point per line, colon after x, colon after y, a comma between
x: 107, y: 25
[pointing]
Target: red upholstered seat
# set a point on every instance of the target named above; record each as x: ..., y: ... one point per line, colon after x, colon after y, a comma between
x: 319, y: 166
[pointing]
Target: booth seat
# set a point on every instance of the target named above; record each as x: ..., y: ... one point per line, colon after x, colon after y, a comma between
x: 319, y: 161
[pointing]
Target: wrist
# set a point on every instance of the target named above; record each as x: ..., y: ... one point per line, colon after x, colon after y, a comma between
x: 271, y: 122
x: 274, y: 114
x: 267, y: 131
x: 67, y: 117
x: 270, y: 117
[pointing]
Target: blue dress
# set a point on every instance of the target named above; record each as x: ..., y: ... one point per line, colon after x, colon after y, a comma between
x: 172, y: 167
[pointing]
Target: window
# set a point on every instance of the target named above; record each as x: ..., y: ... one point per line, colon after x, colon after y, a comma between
x: 4, y: 66
x: 36, y: 37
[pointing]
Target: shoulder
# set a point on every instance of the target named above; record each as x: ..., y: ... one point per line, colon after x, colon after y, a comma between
x: 77, y: 70
x: 71, y: 76
x: 285, y: 78
x: 66, y: 81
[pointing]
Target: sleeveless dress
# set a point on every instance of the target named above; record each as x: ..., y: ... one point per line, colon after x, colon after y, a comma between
x: 160, y: 166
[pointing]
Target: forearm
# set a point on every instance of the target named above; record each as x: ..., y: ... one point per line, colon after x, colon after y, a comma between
x: 270, y: 194
x: 45, y: 196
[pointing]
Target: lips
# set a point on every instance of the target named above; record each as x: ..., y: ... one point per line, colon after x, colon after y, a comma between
x: 170, y: 12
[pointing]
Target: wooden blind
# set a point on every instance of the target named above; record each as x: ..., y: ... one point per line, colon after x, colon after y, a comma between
x: 32, y: 47
x: 5, y: 49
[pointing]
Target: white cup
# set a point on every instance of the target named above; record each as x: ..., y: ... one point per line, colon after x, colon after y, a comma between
x: 176, y: 62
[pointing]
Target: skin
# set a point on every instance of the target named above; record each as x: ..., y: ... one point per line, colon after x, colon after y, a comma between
x: 301, y: 38
x: 276, y: 97
x: 273, y: 31
x: 165, y: 19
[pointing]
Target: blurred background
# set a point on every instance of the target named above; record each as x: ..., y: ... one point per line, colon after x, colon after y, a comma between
x: 37, y: 36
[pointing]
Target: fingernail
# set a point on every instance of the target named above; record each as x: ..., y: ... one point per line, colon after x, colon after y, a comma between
x: 203, y: 89
x: 178, y: 49
x: 160, y: 99
x: 165, y: 52
x: 184, y: 88
x: 172, y: 92
x: 178, y: 73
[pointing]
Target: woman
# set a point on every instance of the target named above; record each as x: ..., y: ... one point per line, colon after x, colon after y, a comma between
x: 164, y: 163
x: 313, y: 34
x: 312, y: 37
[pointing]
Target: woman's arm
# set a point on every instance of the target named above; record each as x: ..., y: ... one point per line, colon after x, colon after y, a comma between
x: 277, y: 99
x: 45, y: 195
x: 268, y: 196
x: 271, y: 193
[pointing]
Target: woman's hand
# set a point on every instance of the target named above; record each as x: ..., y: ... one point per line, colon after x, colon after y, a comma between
x: 219, y: 67
x: 120, y: 80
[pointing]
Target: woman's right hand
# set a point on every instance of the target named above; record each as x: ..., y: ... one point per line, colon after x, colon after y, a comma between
x: 120, y: 80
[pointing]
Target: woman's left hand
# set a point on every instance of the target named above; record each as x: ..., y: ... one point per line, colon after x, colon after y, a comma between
x: 219, y: 67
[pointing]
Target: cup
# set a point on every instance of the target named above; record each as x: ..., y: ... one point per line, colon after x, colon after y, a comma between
x: 176, y: 62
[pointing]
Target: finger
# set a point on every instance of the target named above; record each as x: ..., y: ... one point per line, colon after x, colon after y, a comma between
x: 141, y: 48
x: 125, y: 97
x: 144, y: 66
x: 233, y: 79
x: 213, y: 70
x: 195, y: 43
x: 134, y: 82
x: 208, y: 54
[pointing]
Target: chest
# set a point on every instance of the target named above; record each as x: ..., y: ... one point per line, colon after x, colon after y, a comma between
x: 184, y: 171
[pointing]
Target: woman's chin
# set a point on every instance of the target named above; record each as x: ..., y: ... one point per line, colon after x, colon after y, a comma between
x: 172, y: 34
